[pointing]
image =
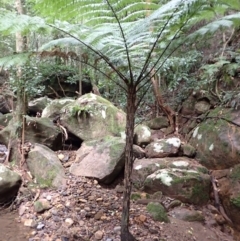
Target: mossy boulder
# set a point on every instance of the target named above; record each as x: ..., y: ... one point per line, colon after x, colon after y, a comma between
x: 229, y: 192
x: 142, y: 135
x: 163, y: 147
x: 202, y: 106
x: 37, y: 105
x: 102, y: 159
x: 37, y: 130
x: 45, y: 167
x: 217, y: 139
x: 188, y: 150
x: 157, y: 211
x: 181, y: 178
x: 157, y: 123
x: 53, y: 109
x: 5, y: 119
x: 10, y: 183
x: 92, y: 117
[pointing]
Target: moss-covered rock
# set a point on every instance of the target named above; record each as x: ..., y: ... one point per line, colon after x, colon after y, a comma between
x: 181, y: 178
x: 157, y: 211
x: 142, y: 135
x: 158, y: 123
x: 37, y: 105
x: 37, y: 130
x: 45, y: 167
x: 92, y: 117
x: 163, y: 147
x: 229, y: 192
x: 10, y: 182
x: 217, y: 140
x: 5, y: 119
x: 53, y: 109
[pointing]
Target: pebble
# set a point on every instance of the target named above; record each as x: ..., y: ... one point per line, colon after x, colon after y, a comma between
x: 117, y: 229
x: 98, y: 235
x: 40, y: 226
x: 69, y: 222
x: 30, y: 223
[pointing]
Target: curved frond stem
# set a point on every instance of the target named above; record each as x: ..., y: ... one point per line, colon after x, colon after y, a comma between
x: 147, y: 61
x: 144, y: 93
x: 149, y: 73
x: 124, y: 39
x: 98, y: 53
x: 149, y: 76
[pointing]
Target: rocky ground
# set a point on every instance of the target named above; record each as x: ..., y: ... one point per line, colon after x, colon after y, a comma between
x: 84, y: 210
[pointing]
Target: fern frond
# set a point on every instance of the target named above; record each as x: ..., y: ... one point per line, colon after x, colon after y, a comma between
x: 14, y: 60
x: 87, y: 11
x: 10, y: 23
x: 229, y: 21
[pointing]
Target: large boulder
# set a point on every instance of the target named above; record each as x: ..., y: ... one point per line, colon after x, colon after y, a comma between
x: 92, y: 117
x: 37, y: 105
x: 163, y: 147
x: 181, y: 178
x: 37, y: 130
x: 217, y: 139
x: 5, y: 119
x: 101, y: 159
x: 53, y: 109
x: 10, y: 183
x: 5, y: 104
x: 229, y: 192
x: 45, y: 166
x: 158, y: 123
x: 142, y: 135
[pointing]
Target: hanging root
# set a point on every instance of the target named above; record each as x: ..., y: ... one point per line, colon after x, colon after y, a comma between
x: 64, y: 131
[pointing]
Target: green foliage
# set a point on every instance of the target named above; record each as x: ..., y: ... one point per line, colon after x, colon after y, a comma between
x: 236, y: 201
x: 81, y: 111
x: 30, y: 80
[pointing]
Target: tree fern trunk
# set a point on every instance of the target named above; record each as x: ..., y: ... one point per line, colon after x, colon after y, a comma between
x: 131, y: 109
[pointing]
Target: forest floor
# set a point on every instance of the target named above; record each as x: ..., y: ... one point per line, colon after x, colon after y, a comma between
x: 83, y: 210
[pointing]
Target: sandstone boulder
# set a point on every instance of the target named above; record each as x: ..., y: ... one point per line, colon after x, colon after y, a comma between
x: 217, y: 139
x: 10, y: 183
x: 142, y: 135
x: 37, y: 105
x: 53, y: 109
x: 45, y: 167
x: 102, y: 159
x: 181, y: 178
x: 163, y: 147
x: 92, y: 117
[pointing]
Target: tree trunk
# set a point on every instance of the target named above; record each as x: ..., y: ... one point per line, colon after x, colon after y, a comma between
x: 19, y: 113
x: 21, y: 46
x: 131, y: 109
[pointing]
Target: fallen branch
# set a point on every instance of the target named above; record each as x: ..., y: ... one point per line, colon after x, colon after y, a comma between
x: 217, y: 200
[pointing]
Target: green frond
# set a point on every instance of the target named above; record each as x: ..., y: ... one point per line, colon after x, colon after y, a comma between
x: 229, y: 21
x: 15, y: 60
x: 85, y: 11
x: 61, y: 42
x: 11, y: 23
